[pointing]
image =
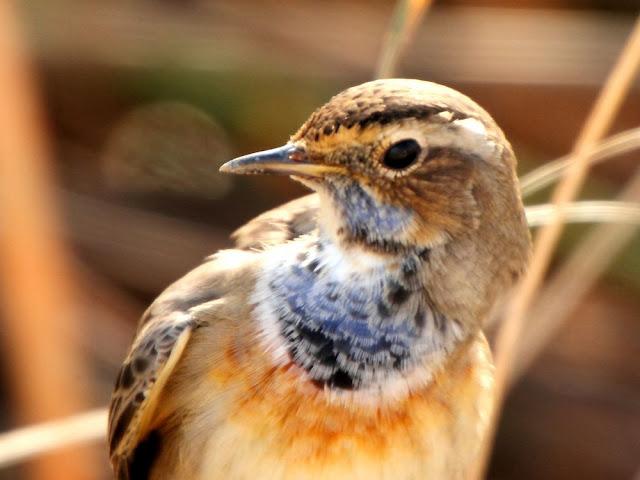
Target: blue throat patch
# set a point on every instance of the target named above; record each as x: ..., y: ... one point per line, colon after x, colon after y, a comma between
x: 354, y: 331
x: 364, y: 217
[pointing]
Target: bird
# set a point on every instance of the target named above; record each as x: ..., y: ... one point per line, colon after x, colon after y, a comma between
x: 341, y: 337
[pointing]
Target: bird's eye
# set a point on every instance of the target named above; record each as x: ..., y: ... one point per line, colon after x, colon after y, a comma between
x: 401, y: 154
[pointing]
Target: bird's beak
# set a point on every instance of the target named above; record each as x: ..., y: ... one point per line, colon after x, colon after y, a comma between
x: 286, y: 160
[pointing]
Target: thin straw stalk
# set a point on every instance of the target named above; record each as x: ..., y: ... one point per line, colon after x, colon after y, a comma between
x: 587, y: 262
x: 25, y: 443
x: 545, y: 175
x: 596, y: 126
x: 404, y: 22
x: 586, y: 211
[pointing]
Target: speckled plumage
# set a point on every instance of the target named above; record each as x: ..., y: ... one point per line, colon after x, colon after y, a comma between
x: 341, y: 338
x: 351, y: 328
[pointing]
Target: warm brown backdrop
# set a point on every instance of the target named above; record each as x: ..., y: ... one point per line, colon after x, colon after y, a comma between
x: 144, y: 99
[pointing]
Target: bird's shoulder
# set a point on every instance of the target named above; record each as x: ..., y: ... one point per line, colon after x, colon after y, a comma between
x: 279, y: 225
x: 216, y: 290
x: 203, y: 297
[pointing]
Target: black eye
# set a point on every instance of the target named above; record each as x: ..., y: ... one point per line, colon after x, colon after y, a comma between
x: 401, y: 154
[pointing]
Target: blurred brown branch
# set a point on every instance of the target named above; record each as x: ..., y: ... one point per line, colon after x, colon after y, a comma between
x: 39, y: 298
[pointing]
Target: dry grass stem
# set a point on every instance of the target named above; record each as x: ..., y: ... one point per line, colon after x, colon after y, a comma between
x: 25, y: 443
x: 544, y: 176
x: 569, y: 286
x: 587, y: 211
x: 404, y: 22
x: 596, y: 126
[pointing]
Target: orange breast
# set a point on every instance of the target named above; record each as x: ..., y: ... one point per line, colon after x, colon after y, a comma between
x: 289, y: 421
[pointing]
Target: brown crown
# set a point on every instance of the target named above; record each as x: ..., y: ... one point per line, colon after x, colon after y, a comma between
x: 385, y: 101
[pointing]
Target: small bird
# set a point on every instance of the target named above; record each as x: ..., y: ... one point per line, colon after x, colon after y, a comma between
x: 341, y: 337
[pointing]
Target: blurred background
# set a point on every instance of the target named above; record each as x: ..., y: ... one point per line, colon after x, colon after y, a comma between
x: 132, y: 105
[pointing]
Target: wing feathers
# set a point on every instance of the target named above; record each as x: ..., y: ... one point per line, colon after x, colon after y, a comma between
x: 142, y: 378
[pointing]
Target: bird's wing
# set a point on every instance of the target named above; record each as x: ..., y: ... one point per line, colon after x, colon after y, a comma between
x: 166, y: 332
x: 279, y: 225
x: 153, y: 356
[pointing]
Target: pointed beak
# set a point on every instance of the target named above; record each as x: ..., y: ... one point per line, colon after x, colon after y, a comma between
x: 286, y: 160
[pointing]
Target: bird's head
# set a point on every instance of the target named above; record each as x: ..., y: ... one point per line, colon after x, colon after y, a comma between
x: 400, y: 164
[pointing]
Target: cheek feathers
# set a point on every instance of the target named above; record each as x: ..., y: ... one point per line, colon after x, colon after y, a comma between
x: 419, y: 206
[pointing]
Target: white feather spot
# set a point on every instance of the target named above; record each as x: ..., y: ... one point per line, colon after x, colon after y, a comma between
x: 472, y: 125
